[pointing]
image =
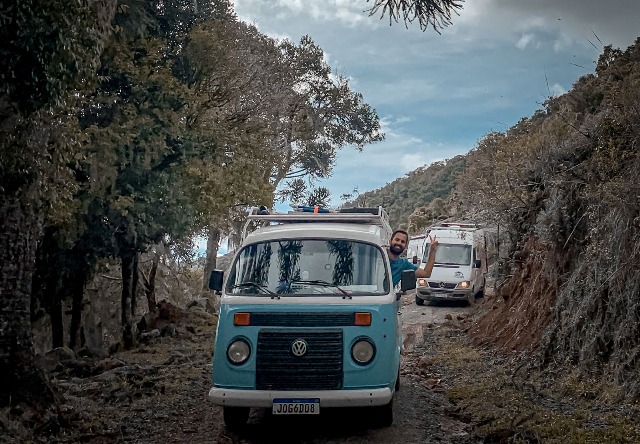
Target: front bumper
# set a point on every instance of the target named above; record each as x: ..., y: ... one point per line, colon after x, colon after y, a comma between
x: 430, y: 294
x: 328, y: 398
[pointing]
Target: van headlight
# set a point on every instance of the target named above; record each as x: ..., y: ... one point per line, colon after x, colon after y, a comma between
x: 363, y: 351
x: 422, y: 282
x: 238, y: 351
x: 464, y: 285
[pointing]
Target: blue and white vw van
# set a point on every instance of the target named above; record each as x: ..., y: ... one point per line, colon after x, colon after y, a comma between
x: 309, y: 319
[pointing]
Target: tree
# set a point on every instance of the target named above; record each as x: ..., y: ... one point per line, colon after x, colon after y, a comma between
x: 428, y: 13
x: 45, y: 69
x: 278, y: 103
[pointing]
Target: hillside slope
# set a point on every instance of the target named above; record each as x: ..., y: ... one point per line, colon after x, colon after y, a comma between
x: 563, y: 185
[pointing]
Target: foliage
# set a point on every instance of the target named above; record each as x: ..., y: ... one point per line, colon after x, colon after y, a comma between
x: 49, y: 52
x: 562, y: 182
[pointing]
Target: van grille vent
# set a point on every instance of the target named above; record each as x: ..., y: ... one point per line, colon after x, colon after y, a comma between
x: 447, y: 285
x: 277, y: 368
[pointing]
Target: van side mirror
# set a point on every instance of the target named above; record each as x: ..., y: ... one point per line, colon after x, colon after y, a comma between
x: 215, y: 280
x: 408, y: 280
x: 415, y: 259
x: 477, y: 263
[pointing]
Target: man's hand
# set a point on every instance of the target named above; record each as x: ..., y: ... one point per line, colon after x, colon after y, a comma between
x: 428, y: 268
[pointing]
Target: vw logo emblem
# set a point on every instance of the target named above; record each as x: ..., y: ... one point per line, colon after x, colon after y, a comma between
x: 299, y: 347
x: 442, y: 284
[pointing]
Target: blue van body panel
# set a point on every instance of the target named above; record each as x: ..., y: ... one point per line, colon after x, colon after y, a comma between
x: 383, y: 333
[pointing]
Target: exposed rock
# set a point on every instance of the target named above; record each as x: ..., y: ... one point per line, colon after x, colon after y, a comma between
x: 150, y: 336
x: 425, y: 362
x: 92, y: 352
x: 53, y: 359
x: 202, y: 303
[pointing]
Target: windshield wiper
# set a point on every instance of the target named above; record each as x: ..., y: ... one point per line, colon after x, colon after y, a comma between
x: 256, y: 285
x: 324, y: 284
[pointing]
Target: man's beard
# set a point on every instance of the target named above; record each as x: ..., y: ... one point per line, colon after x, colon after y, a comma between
x: 396, y: 249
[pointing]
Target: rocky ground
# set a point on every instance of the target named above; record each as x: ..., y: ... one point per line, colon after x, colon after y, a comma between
x: 451, y: 392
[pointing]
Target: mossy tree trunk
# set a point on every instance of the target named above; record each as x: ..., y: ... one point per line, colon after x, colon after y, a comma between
x: 21, y: 380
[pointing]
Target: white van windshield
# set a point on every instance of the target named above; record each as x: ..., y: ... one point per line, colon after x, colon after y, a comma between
x: 309, y: 267
x: 451, y: 254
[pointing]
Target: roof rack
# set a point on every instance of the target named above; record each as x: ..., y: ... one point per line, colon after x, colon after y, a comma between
x: 372, y: 216
x: 456, y: 225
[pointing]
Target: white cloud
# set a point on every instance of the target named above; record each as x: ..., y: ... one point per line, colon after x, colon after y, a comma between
x: 557, y: 89
x: 563, y: 42
x: 412, y: 161
x: 525, y: 40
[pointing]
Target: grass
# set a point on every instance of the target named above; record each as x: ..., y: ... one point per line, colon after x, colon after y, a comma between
x: 512, y: 403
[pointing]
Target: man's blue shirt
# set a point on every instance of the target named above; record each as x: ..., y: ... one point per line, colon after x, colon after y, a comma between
x: 398, y: 266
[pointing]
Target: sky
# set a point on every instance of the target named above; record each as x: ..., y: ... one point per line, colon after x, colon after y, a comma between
x: 436, y: 94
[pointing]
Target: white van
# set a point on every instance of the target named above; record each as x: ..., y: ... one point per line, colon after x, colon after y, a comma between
x: 460, y: 265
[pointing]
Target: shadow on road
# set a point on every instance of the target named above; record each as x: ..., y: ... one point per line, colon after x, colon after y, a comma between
x: 330, y: 424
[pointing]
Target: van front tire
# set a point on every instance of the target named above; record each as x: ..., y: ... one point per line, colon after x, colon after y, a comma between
x: 419, y: 300
x: 235, y: 418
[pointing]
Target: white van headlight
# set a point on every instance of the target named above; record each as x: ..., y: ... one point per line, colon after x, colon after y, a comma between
x: 238, y: 351
x: 363, y: 351
x: 464, y: 284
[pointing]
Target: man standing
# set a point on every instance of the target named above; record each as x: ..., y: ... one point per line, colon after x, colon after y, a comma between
x: 397, y: 244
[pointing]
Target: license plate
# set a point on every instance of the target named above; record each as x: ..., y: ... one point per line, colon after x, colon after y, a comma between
x: 296, y: 406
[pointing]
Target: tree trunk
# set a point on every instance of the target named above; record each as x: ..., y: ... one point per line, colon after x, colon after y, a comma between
x: 47, y: 285
x: 128, y: 334
x: 150, y: 284
x: 55, y: 315
x: 76, y: 287
x: 21, y: 380
x: 213, y: 243
x: 135, y: 278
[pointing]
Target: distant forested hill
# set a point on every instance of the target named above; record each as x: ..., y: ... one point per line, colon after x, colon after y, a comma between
x: 418, y: 189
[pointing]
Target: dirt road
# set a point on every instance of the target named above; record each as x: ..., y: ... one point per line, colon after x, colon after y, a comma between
x: 158, y: 394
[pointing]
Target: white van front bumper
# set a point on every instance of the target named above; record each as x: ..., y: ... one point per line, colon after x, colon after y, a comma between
x: 429, y: 294
x: 328, y: 398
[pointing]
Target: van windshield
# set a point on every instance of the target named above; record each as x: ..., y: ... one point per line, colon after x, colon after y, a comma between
x: 309, y: 267
x: 450, y: 254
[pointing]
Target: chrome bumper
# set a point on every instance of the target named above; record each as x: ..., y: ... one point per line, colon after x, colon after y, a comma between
x: 328, y: 398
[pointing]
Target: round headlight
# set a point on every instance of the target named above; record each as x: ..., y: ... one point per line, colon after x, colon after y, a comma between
x: 238, y: 351
x: 363, y: 351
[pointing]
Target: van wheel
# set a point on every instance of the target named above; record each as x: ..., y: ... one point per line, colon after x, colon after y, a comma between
x: 235, y: 418
x: 419, y: 301
x: 384, y: 415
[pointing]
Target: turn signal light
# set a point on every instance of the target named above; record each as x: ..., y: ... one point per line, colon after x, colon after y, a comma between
x: 242, y: 319
x: 363, y: 319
